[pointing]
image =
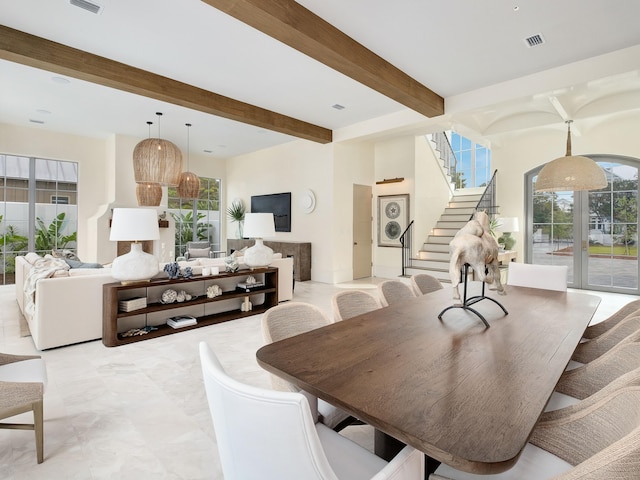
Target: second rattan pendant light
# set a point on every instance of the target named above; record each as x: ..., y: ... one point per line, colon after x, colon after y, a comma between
x: 189, y: 184
x: 156, y: 160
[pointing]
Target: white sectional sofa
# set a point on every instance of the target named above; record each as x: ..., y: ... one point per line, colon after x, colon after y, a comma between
x: 68, y: 306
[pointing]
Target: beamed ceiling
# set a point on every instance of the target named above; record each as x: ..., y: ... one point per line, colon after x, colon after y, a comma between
x: 249, y: 74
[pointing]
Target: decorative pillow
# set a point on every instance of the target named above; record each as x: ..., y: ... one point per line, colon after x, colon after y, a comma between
x: 79, y: 264
x: 64, y: 254
x: 199, y: 252
x: 31, y: 257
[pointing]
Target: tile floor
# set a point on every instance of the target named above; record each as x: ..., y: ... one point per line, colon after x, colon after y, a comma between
x: 139, y: 411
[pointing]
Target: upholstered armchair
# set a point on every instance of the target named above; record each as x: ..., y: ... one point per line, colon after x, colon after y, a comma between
x: 22, y: 382
x: 198, y: 250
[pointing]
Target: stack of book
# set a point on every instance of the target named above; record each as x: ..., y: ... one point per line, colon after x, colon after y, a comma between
x: 131, y: 304
x: 248, y: 287
x: 182, y: 321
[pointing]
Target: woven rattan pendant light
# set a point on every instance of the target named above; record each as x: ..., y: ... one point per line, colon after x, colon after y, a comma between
x: 189, y: 184
x: 570, y: 173
x: 148, y: 194
x: 156, y: 160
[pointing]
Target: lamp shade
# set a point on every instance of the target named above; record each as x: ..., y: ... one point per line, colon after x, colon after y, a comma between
x: 133, y: 224
x: 259, y: 225
x: 157, y: 161
x: 508, y: 224
x: 570, y: 173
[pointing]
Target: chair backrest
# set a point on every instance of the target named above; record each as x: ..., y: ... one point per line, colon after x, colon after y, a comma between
x: 261, y: 433
x: 395, y: 291
x: 286, y: 320
x: 198, y: 249
x: 351, y: 303
x: 547, y: 277
x: 424, y: 283
x: 593, y: 429
x: 587, y: 379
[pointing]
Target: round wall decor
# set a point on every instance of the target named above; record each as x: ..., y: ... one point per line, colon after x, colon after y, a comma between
x: 307, y: 201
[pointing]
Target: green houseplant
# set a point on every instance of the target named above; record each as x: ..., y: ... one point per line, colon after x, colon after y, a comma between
x: 236, y: 213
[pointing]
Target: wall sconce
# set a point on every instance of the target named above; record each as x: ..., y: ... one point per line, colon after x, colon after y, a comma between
x: 390, y: 180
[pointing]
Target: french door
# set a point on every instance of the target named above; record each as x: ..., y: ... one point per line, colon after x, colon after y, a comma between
x: 594, y: 233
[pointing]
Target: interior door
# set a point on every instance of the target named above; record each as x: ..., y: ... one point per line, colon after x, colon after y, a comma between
x: 362, y: 236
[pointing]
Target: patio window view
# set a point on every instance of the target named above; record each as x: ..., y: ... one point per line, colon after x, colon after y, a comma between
x: 196, y: 220
x: 38, y: 208
x: 594, y: 233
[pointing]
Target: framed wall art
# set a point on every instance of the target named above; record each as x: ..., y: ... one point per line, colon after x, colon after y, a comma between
x: 393, y: 218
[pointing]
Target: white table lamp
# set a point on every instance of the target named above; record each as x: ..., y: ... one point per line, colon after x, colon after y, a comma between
x: 507, y: 225
x: 134, y: 224
x: 258, y: 226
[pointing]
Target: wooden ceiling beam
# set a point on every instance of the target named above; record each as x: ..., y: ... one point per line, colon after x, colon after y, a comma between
x: 294, y: 25
x: 27, y: 49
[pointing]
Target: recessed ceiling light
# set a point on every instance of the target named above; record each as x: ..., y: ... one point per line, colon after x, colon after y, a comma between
x: 337, y: 106
x: 60, y: 80
x: 516, y: 8
x: 43, y: 111
x: 33, y: 120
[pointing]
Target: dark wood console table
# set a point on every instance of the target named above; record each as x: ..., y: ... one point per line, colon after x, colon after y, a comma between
x: 207, y: 311
x: 300, y: 251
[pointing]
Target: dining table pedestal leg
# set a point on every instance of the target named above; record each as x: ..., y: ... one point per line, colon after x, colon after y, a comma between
x: 387, y: 447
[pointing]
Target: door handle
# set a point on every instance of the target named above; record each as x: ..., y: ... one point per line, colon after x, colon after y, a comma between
x: 355, y: 243
x: 584, y: 245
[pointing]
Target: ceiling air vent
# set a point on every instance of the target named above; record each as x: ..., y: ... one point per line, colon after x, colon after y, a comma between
x: 534, y: 40
x: 88, y: 6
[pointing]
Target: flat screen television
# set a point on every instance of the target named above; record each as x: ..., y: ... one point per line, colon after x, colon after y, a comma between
x: 277, y: 203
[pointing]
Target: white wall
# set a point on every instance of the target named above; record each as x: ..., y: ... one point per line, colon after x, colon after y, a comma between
x: 354, y: 164
x: 393, y: 158
x: 292, y: 167
x: 89, y: 153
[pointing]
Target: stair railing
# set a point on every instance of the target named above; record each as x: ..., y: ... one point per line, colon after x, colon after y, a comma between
x: 447, y: 156
x: 487, y: 201
x: 405, y: 241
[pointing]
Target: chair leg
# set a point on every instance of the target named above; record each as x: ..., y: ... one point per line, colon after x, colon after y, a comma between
x: 39, y: 430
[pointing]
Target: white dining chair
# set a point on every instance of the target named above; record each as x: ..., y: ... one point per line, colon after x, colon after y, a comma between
x: 547, y: 277
x: 270, y: 434
x: 598, y: 441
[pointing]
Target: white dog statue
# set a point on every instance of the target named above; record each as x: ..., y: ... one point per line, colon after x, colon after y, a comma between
x: 474, y: 244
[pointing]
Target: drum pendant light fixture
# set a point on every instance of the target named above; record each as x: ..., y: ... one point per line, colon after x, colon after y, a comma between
x: 189, y: 184
x: 570, y: 173
x: 156, y: 160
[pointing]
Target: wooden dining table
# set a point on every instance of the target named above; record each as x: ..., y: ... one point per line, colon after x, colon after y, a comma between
x: 465, y: 395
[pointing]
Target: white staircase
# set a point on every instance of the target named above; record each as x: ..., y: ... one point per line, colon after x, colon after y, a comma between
x: 433, y: 257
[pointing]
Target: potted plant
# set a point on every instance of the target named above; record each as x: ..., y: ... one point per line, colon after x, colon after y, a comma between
x: 236, y: 213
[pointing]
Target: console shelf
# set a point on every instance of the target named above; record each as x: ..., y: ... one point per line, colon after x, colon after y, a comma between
x: 207, y: 311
